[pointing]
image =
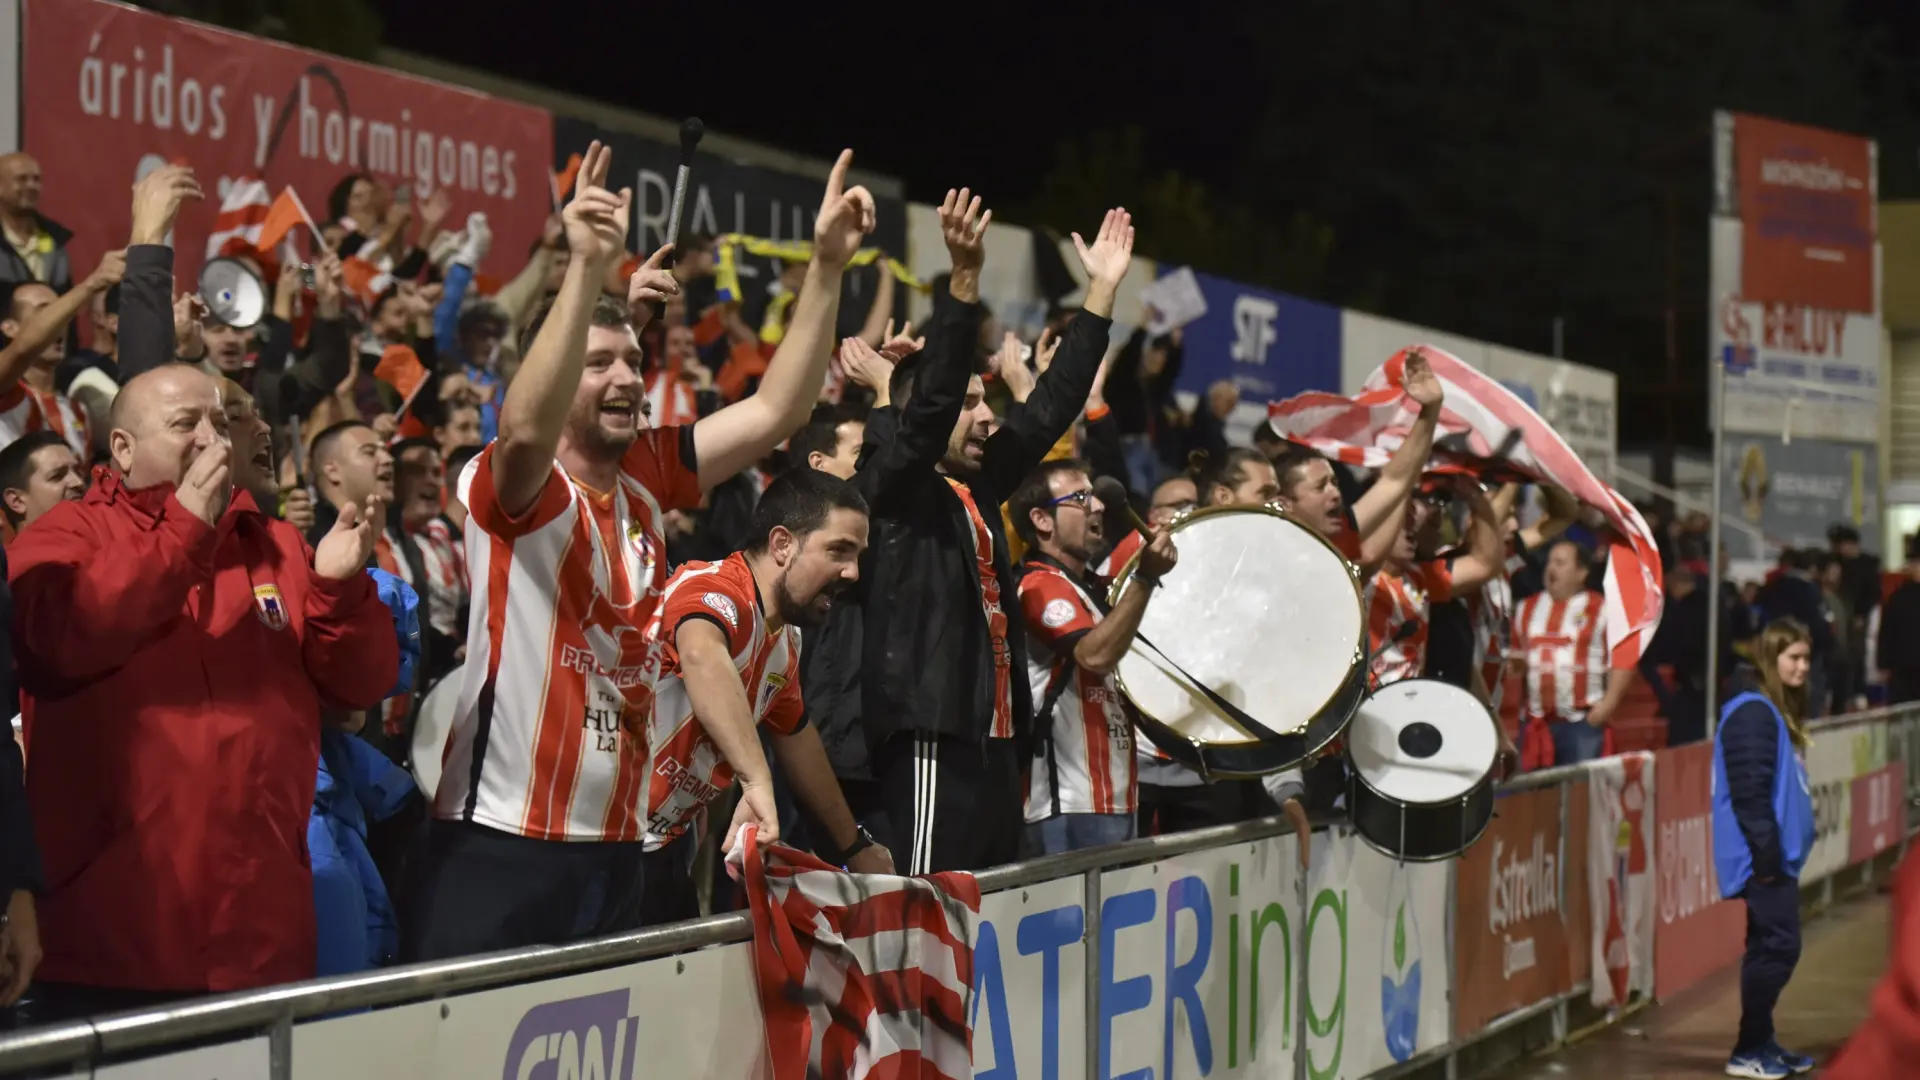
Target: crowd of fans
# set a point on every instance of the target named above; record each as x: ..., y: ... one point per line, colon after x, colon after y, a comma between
x: 248, y: 563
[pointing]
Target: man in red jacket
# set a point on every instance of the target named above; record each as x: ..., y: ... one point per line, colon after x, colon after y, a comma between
x: 176, y: 648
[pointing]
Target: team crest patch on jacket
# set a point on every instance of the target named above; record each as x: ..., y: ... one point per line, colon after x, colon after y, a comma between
x: 271, y: 606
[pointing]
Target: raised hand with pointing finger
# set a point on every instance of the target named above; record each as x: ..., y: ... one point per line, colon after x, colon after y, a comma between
x: 596, y: 219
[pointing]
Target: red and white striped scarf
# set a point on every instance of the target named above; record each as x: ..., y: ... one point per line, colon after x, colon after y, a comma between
x: 1483, y: 419
x: 861, y: 975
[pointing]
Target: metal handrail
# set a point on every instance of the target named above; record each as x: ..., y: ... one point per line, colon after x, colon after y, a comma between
x: 254, y: 1010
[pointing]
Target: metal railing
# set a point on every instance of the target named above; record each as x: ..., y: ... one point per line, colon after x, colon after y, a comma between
x: 274, y: 1010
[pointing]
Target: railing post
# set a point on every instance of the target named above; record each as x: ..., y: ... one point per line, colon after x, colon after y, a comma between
x: 1302, y: 894
x: 1095, y: 974
x: 280, y: 1048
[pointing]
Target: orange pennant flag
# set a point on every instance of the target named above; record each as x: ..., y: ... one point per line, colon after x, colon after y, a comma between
x: 563, y: 180
x: 283, y: 217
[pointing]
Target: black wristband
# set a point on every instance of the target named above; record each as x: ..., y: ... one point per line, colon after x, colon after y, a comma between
x: 1146, y: 580
x: 862, y: 840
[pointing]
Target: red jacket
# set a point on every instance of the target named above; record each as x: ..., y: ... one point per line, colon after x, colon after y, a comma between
x: 172, y: 678
x: 1887, y: 1043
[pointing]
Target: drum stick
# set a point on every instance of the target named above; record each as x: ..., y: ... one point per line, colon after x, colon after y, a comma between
x: 691, y: 131
x: 1112, y: 492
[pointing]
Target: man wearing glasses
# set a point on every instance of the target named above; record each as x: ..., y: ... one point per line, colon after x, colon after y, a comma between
x: 1082, y: 788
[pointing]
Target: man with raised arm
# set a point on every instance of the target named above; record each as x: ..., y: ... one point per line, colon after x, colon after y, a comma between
x: 946, y: 708
x: 541, y: 808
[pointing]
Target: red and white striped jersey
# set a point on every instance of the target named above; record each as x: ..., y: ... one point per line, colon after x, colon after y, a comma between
x: 549, y: 736
x: 688, y: 770
x: 24, y: 410
x: 1400, y: 598
x: 1491, y: 609
x: 1123, y: 550
x: 1565, y: 646
x: 1092, y: 763
x: 670, y: 399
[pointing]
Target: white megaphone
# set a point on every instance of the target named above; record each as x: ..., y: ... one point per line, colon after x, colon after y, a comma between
x: 234, y: 294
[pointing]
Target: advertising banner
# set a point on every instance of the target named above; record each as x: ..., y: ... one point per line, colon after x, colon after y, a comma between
x: 1793, y: 491
x: 114, y: 92
x: 1509, y: 923
x: 1878, y: 798
x: 1698, y: 933
x: 1806, y: 199
x: 247, y: 1059
x: 1830, y: 773
x: 1030, y: 982
x: 725, y: 196
x: 1576, y: 895
x: 1268, y: 344
x: 1793, y: 368
x: 1620, y: 883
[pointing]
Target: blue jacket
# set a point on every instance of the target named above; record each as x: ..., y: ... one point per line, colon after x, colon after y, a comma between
x: 353, y: 915
x: 1762, y: 807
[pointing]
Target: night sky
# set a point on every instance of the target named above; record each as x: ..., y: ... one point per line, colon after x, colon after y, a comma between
x: 1488, y: 167
x: 979, y: 97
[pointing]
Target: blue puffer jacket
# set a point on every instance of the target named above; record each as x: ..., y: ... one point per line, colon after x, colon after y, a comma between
x: 353, y: 915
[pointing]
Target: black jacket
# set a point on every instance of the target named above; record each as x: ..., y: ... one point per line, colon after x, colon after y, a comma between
x: 19, y: 850
x: 1749, y: 738
x: 927, y: 662
x: 1898, y: 649
x: 1793, y: 596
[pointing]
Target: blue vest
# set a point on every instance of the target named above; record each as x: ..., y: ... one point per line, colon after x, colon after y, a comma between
x: 1792, y: 808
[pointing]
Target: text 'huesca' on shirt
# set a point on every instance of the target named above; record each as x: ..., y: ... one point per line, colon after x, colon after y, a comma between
x: 688, y: 770
x: 549, y: 734
x: 1090, y: 765
x: 1564, y: 643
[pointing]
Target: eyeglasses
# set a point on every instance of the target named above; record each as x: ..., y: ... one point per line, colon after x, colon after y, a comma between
x: 1073, y: 498
x: 1176, y: 507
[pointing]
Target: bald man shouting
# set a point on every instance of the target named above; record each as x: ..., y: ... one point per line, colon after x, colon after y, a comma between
x: 177, y: 646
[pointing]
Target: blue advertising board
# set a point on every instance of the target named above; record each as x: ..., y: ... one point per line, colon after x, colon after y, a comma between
x: 1269, y: 344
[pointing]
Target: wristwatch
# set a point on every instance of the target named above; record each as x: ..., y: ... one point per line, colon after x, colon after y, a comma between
x: 862, y: 840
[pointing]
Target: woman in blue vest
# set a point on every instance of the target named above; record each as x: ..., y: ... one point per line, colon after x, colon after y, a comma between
x: 1762, y: 832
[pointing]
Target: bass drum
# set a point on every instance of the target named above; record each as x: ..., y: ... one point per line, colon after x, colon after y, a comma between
x: 1421, y: 783
x: 431, y: 726
x: 1265, y: 613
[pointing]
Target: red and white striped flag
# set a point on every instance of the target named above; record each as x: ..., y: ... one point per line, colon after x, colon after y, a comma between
x: 1483, y: 419
x: 242, y: 212
x: 862, y: 977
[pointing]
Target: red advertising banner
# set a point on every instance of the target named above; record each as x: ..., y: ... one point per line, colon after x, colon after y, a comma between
x: 1510, y: 927
x: 113, y: 92
x: 1806, y: 209
x: 1697, y: 933
x: 1878, y: 799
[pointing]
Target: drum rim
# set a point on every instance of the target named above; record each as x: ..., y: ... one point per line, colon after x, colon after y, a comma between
x: 1354, y: 766
x: 1486, y: 784
x: 1202, y: 757
x: 1359, y: 664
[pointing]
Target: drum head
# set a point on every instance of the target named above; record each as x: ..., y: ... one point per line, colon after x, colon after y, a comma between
x: 430, y: 729
x: 1422, y: 741
x: 1266, y: 613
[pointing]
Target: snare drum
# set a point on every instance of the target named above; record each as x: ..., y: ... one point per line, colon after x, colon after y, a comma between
x: 431, y: 725
x: 1267, y: 614
x: 1421, y: 783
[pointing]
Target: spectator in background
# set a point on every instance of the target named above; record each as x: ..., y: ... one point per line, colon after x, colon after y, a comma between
x: 38, y: 473
x: 460, y: 428
x: 1860, y: 585
x: 35, y: 325
x: 1897, y: 651
x: 175, y: 638
x: 1792, y: 593
x: 1560, y: 643
x: 1681, y: 645
x: 1139, y: 390
x: 351, y: 464
x: 36, y: 244
x: 1842, y: 660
